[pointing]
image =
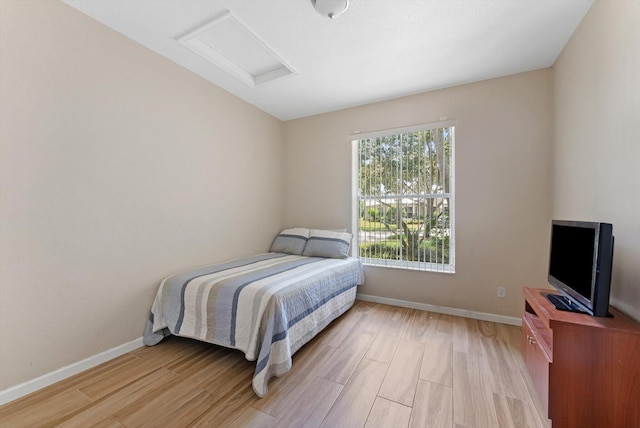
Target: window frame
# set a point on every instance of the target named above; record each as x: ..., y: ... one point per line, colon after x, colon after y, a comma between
x: 355, y: 209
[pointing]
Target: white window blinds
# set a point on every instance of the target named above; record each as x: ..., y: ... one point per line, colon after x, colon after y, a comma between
x: 404, y: 196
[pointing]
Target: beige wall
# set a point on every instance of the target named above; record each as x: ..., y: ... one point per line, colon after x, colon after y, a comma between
x: 596, y: 156
x: 502, y: 161
x: 117, y: 169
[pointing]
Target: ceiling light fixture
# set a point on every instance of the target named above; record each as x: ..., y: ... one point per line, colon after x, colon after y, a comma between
x: 330, y: 8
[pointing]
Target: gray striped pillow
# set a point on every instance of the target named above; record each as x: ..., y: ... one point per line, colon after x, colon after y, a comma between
x: 328, y: 243
x: 290, y: 241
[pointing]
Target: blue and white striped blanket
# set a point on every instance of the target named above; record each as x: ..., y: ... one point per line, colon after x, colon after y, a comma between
x: 267, y: 306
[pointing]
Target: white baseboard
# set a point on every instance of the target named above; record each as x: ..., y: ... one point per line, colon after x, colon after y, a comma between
x: 25, y: 388
x: 441, y: 309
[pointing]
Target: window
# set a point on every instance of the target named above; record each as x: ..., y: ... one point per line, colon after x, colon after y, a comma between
x: 404, y: 197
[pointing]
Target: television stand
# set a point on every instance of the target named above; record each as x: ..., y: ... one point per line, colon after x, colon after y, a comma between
x: 585, y: 369
x: 561, y: 303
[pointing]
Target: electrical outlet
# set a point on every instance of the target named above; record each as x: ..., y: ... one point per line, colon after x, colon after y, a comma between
x: 501, y: 292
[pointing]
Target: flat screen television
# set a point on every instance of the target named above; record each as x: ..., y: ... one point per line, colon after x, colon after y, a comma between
x: 580, y: 262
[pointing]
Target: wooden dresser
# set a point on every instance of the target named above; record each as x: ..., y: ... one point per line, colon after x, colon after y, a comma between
x: 586, y: 369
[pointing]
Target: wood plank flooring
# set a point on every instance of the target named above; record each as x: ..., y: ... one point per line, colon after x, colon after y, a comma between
x: 376, y: 366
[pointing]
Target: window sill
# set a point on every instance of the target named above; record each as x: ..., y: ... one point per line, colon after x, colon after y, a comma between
x: 405, y: 265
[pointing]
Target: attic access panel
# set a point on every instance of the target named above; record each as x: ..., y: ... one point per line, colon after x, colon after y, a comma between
x: 229, y: 44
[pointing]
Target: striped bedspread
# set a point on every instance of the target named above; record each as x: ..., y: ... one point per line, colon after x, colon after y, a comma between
x: 267, y: 305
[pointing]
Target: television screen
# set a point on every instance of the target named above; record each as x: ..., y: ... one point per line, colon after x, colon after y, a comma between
x: 580, y: 265
x: 572, y: 257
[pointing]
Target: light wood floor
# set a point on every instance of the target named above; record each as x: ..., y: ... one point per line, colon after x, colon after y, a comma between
x: 376, y: 366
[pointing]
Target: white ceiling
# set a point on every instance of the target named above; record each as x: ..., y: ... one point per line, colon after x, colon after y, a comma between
x: 376, y: 50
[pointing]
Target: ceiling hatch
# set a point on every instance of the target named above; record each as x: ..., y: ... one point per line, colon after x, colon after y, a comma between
x: 231, y: 45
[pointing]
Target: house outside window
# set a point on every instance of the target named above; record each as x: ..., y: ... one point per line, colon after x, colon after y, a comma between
x: 403, y: 185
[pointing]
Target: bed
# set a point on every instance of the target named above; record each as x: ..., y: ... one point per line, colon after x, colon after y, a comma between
x: 266, y: 305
